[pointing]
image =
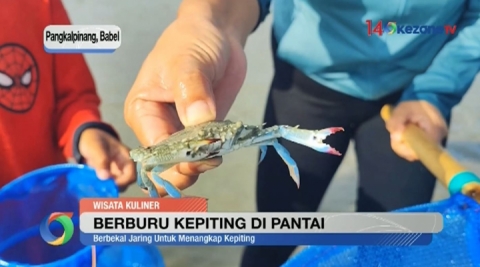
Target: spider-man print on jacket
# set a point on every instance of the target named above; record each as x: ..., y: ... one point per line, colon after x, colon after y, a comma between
x: 18, y: 78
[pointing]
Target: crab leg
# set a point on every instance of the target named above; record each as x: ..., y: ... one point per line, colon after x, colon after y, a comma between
x: 263, y: 153
x: 292, y: 165
x: 171, y: 190
x: 139, y: 176
x: 282, y: 152
x: 145, y: 183
x: 285, y: 155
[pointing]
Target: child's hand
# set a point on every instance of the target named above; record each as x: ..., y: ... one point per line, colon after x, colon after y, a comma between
x: 107, y: 156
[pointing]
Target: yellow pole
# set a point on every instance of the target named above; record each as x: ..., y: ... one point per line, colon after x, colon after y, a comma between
x: 438, y: 161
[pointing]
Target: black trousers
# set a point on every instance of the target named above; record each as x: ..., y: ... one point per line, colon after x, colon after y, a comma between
x: 386, y: 181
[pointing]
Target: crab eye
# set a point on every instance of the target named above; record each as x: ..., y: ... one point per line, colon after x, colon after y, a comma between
x: 314, y: 137
x: 189, y: 152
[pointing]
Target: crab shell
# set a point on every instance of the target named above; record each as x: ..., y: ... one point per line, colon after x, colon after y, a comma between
x: 194, y: 143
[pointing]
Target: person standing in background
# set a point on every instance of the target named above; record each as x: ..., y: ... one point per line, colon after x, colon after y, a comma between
x: 49, y: 107
x: 328, y: 72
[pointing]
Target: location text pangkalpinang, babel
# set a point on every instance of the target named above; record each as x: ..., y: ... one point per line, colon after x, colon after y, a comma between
x: 73, y: 37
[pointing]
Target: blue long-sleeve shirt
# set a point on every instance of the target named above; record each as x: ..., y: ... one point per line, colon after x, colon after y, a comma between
x: 328, y: 40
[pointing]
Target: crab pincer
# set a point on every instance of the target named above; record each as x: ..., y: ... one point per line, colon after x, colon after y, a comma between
x: 313, y: 139
x: 320, y: 137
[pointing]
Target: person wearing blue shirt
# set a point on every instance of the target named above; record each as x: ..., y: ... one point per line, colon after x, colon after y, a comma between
x: 337, y: 62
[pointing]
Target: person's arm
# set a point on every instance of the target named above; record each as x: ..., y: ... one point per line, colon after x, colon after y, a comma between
x: 77, y: 102
x: 454, y: 68
x: 238, y: 17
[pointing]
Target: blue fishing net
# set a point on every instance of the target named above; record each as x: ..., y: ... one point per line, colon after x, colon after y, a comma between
x: 457, y: 245
x: 25, y: 202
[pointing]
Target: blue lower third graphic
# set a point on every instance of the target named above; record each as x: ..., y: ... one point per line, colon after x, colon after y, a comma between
x: 79, y: 51
x: 288, y: 239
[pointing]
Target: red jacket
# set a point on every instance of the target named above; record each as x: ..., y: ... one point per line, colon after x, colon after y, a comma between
x: 44, y: 98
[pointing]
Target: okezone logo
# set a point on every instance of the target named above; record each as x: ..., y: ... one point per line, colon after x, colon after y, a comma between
x: 65, y: 219
x: 391, y: 27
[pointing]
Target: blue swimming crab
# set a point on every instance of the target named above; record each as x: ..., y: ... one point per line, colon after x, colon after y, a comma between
x: 217, y: 138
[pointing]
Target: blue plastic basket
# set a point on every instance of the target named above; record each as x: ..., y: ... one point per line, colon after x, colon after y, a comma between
x: 28, y: 199
x: 457, y: 245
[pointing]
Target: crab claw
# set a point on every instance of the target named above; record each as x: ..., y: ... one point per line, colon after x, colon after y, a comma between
x: 312, y: 139
x: 318, y: 138
x: 322, y: 134
x: 325, y: 148
x: 331, y: 150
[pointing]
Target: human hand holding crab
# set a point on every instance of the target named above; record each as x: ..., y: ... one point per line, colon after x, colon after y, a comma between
x: 191, y: 77
x: 192, y: 67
